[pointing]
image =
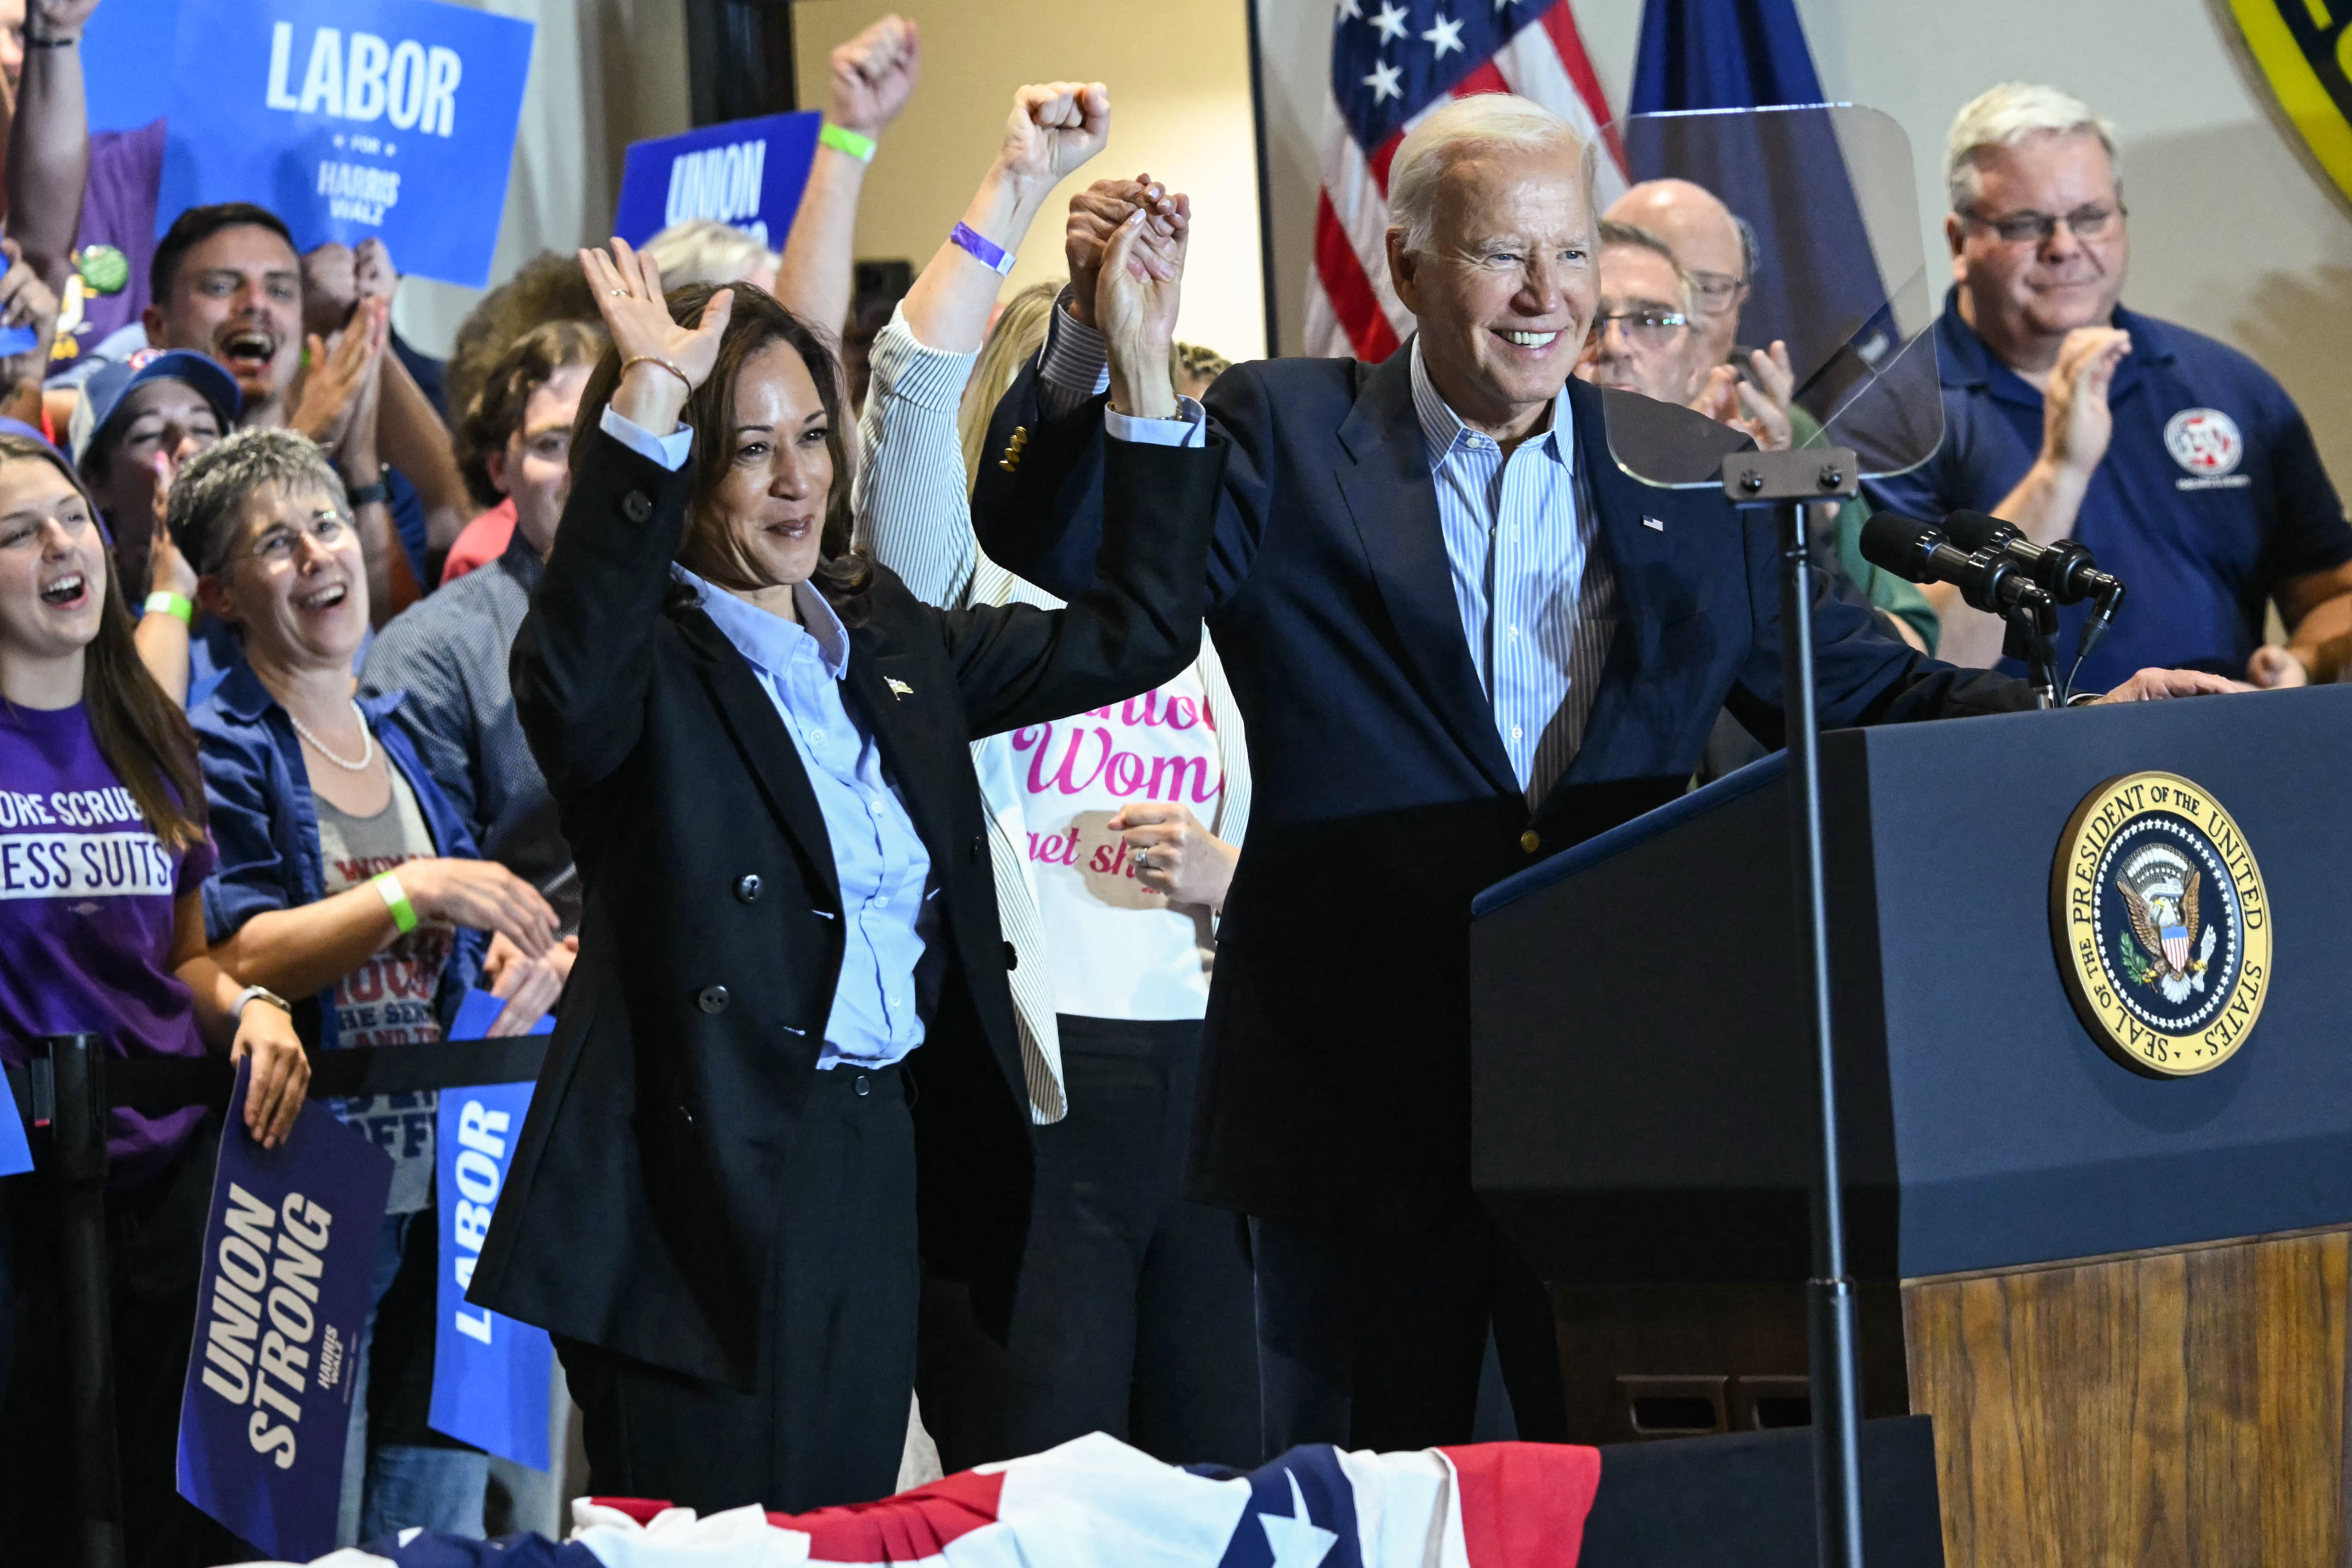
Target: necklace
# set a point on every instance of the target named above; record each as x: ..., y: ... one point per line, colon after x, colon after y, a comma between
x: 367, y: 741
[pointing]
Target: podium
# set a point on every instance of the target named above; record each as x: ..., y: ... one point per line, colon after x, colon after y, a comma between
x: 2122, y: 1297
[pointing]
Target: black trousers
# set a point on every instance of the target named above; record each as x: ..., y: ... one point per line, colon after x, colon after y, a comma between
x: 1134, y: 1314
x: 155, y: 1239
x: 827, y: 1423
x: 1375, y: 1340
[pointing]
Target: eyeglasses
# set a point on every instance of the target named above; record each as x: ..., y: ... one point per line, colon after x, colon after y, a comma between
x: 1716, y: 291
x: 277, y: 542
x: 1653, y: 328
x: 2095, y: 221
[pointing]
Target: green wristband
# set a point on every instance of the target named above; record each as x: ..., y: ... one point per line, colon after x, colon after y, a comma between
x: 841, y: 139
x: 395, y: 899
x: 163, y: 600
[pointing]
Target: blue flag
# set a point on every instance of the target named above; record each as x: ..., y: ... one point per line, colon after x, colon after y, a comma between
x: 351, y: 118
x: 748, y: 173
x: 1816, y: 284
x: 490, y: 1374
x: 289, y: 1265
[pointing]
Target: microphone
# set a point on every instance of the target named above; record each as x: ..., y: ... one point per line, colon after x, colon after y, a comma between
x: 2065, y: 570
x: 1923, y: 552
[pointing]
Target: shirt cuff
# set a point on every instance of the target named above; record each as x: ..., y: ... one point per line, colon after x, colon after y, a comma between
x: 1075, y: 364
x: 1189, y: 428
x: 670, y: 451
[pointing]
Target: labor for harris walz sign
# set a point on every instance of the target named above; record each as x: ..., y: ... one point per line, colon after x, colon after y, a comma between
x: 289, y: 1258
x: 747, y: 173
x: 349, y: 119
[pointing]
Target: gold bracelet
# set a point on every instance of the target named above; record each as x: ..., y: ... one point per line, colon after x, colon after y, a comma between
x: 665, y: 364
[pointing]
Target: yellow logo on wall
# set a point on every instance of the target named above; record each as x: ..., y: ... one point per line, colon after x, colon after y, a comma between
x: 2302, y: 49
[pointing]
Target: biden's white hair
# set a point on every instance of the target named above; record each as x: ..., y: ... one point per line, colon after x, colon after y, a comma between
x: 1463, y: 128
x: 2005, y: 115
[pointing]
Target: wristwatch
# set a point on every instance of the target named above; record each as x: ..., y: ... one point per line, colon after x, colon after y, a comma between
x: 367, y: 495
x: 257, y: 994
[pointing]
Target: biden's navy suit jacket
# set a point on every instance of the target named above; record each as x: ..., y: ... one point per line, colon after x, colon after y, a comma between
x: 1335, y: 1084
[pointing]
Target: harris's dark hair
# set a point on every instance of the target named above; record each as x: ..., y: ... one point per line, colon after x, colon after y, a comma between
x: 140, y: 732
x: 843, y: 575
x: 529, y: 363
x: 197, y: 225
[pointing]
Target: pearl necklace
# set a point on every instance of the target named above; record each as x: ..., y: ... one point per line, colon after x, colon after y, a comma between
x: 367, y: 741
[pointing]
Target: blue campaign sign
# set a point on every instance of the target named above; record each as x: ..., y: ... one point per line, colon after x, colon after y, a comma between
x: 490, y: 1374
x: 15, y: 1152
x: 126, y: 80
x: 351, y: 118
x: 748, y: 173
x: 288, y: 1265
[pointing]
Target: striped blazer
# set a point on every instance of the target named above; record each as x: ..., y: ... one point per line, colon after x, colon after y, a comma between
x: 914, y: 517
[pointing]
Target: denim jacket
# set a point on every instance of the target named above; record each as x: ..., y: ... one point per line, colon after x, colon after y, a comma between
x: 267, y: 829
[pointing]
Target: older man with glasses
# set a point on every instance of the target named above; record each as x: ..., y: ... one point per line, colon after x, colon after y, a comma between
x: 2181, y: 463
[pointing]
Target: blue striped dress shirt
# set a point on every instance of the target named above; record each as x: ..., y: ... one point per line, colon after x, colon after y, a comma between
x: 1539, y: 602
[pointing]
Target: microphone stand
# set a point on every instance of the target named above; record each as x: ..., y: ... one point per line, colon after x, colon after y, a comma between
x: 2033, y: 639
x: 1781, y: 483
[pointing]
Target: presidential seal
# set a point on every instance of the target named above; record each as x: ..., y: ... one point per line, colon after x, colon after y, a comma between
x: 2162, y: 928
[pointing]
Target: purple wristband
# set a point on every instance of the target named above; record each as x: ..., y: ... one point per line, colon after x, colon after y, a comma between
x: 981, y: 248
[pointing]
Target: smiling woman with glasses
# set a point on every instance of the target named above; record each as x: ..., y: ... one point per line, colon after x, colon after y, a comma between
x: 347, y: 883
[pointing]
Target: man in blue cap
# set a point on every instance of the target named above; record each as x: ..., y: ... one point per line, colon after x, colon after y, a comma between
x: 135, y: 424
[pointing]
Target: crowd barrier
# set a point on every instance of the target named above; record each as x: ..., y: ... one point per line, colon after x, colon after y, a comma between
x: 63, y: 1095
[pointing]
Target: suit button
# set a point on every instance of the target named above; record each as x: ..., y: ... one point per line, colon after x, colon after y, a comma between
x: 713, y: 999
x: 747, y: 887
x: 1531, y: 841
x: 1012, y: 958
x: 979, y: 847
x: 637, y: 506
x: 863, y: 1087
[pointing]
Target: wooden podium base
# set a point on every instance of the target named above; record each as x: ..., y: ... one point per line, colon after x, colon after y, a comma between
x: 2175, y: 1409
x: 2179, y: 1407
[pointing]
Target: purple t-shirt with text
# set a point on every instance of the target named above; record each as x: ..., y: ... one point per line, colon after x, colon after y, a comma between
x: 85, y: 900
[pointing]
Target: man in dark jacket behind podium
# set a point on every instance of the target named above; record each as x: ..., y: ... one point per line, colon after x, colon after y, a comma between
x: 1462, y: 640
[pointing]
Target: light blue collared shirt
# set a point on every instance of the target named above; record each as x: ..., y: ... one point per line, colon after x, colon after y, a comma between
x: 1537, y: 600
x: 889, y: 958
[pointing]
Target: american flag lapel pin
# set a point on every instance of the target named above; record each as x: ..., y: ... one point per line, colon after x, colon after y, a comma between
x: 1656, y: 523
x: 897, y: 686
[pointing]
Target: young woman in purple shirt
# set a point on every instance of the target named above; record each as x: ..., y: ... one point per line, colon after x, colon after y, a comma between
x: 103, y: 850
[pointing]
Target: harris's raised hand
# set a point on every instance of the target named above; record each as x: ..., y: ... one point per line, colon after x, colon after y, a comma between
x: 663, y: 359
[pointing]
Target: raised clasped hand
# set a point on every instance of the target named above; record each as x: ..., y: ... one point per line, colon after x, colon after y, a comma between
x: 1136, y: 301
x: 1054, y: 129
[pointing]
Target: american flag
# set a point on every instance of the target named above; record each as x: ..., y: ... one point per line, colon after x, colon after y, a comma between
x: 1391, y: 62
x: 1094, y: 1501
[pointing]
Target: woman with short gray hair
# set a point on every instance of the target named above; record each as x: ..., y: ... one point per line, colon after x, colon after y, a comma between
x: 346, y: 880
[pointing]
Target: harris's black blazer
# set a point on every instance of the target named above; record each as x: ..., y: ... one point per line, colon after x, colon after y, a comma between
x: 1335, y: 1078
x: 640, y: 1205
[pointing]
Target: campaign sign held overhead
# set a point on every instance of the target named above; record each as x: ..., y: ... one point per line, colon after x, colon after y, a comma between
x: 349, y: 119
x: 289, y: 1265
x: 748, y: 173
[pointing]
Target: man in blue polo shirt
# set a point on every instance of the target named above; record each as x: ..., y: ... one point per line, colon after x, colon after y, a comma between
x: 2181, y: 463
